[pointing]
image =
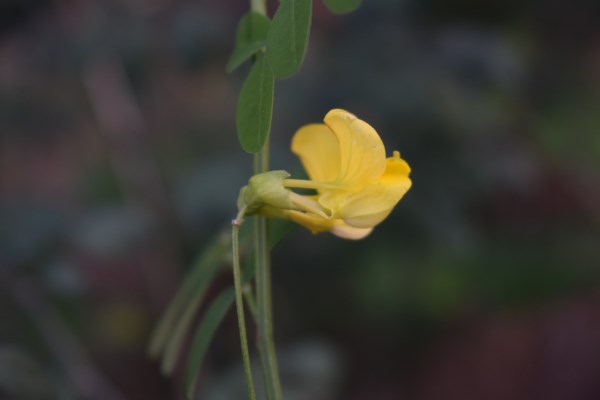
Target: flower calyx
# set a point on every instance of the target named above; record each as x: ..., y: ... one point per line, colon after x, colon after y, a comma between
x: 265, y: 190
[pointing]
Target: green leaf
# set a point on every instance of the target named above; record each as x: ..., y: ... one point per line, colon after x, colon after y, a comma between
x: 206, y: 330
x: 342, y: 6
x: 253, y: 27
x: 250, y: 37
x: 287, y: 38
x: 241, y: 54
x: 170, y: 332
x: 180, y: 330
x: 255, y: 107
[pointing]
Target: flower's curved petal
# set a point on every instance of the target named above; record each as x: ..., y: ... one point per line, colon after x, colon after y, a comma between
x: 374, y: 203
x: 316, y: 224
x: 319, y: 151
x: 312, y: 222
x: 362, y: 154
x: 395, y: 167
x: 349, y: 232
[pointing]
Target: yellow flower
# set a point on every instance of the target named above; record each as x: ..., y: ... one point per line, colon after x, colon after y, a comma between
x: 356, y: 186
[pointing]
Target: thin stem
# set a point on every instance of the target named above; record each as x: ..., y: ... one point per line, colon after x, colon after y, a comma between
x: 266, y: 344
x: 239, y: 302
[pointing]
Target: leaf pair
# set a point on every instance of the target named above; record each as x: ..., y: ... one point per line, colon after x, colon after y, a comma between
x: 250, y: 38
x: 279, y: 47
x: 286, y: 39
x: 283, y: 40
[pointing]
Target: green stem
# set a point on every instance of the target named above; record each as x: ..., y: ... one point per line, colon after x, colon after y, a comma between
x: 239, y: 302
x: 266, y: 344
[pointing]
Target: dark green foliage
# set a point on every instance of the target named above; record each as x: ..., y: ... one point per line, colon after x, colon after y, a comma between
x: 255, y: 107
x: 250, y: 38
x: 288, y: 37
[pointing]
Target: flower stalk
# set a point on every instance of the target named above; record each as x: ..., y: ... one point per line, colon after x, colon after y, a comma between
x: 235, y: 240
x: 266, y: 344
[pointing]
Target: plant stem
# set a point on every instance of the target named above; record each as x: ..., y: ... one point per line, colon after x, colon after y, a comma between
x: 266, y: 344
x: 239, y: 302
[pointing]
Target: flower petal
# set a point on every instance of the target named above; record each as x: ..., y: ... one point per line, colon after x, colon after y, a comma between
x: 317, y: 224
x: 312, y: 222
x: 362, y: 154
x: 375, y: 202
x: 319, y: 151
x: 349, y: 232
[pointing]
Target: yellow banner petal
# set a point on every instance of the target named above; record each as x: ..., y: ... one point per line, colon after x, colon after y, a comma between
x: 362, y: 154
x: 319, y: 152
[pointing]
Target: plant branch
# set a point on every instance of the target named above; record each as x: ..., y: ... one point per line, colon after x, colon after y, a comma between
x: 266, y: 343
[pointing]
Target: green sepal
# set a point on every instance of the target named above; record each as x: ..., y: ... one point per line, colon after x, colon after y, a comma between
x: 265, y: 189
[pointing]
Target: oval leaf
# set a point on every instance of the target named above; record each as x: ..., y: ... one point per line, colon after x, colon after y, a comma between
x: 250, y: 37
x: 253, y: 27
x: 241, y: 54
x: 342, y: 6
x: 206, y: 330
x: 255, y: 107
x: 287, y: 38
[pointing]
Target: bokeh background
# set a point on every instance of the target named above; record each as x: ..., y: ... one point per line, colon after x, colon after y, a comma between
x: 119, y: 162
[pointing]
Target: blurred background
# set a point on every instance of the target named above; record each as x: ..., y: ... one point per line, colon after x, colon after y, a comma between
x: 119, y: 162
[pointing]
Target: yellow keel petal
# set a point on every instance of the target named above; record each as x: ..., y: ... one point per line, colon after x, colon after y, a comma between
x: 375, y: 202
x: 349, y: 232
